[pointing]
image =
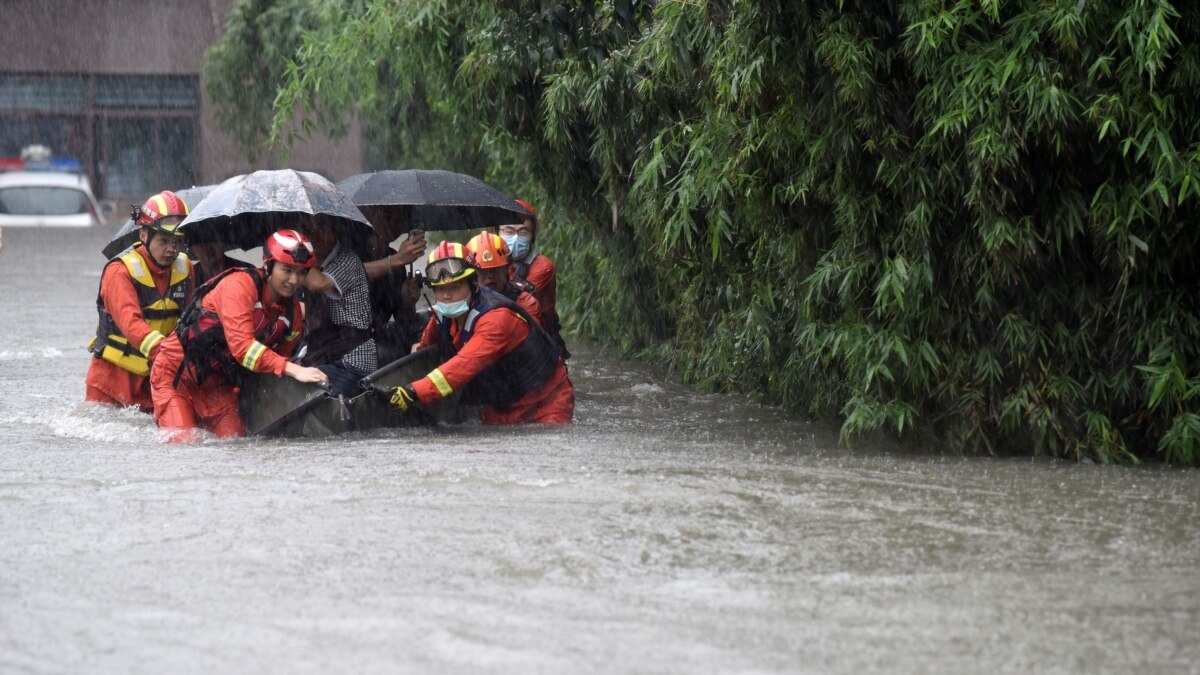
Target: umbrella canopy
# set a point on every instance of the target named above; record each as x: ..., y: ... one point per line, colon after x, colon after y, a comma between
x: 244, y: 212
x: 429, y: 199
x: 127, y: 235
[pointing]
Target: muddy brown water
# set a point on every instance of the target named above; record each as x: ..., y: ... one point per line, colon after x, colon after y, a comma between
x: 664, y: 532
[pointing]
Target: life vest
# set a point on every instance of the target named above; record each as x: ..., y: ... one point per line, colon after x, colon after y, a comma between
x: 514, y: 289
x: 518, y: 372
x: 550, y: 321
x: 160, y: 310
x: 521, y: 271
x: 203, y: 339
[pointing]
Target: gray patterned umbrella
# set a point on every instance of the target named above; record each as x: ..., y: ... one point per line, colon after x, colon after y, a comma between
x: 245, y: 211
x: 430, y: 199
x: 127, y: 235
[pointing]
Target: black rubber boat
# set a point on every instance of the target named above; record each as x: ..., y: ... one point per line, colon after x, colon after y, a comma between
x: 281, y: 406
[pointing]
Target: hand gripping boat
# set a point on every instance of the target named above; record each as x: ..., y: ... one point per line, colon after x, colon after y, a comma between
x: 281, y: 406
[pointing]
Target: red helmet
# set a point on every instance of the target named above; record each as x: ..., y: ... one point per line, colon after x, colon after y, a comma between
x: 528, y: 207
x: 487, y: 250
x: 447, y: 263
x: 289, y: 247
x: 532, y: 213
x: 163, y: 212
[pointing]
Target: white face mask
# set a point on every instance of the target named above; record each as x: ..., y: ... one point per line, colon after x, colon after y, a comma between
x: 452, y: 309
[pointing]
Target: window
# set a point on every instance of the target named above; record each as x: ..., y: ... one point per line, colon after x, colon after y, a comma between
x: 178, y: 152
x: 61, y: 133
x: 41, y: 93
x: 146, y: 91
x: 132, y: 134
x: 129, y: 157
x: 43, y: 201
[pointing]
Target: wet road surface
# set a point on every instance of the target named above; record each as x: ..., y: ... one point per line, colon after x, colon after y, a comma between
x: 665, y: 532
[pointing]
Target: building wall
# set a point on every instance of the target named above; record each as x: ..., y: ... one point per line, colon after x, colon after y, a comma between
x: 150, y: 37
x: 109, y: 36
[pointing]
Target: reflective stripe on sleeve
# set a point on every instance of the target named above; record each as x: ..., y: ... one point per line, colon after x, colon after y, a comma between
x: 251, y: 359
x: 440, y: 382
x: 152, y: 339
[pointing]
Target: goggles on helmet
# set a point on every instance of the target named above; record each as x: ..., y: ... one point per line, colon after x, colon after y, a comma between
x: 447, y: 270
x: 299, y: 253
x: 168, y: 224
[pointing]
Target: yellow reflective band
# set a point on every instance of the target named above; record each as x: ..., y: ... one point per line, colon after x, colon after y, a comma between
x: 162, y: 205
x: 152, y: 339
x: 251, y: 359
x: 440, y: 382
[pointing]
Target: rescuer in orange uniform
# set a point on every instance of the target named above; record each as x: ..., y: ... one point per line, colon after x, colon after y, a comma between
x: 535, y: 271
x: 488, y: 253
x: 245, y: 320
x: 503, y: 359
x: 142, y: 292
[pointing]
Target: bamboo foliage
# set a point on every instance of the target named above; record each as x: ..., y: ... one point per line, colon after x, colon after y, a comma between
x: 960, y: 220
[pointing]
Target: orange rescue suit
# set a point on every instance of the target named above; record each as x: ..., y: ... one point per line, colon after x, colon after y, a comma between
x: 213, y: 404
x: 544, y: 277
x: 106, y: 382
x: 496, y: 333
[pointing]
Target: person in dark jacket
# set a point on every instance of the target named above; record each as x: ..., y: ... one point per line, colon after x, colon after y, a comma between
x: 394, y: 293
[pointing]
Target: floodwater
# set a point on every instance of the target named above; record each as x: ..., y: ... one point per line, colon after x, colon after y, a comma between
x: 664, y: 532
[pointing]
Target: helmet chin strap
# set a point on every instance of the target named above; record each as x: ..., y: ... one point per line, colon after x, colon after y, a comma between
x: 150, y: 238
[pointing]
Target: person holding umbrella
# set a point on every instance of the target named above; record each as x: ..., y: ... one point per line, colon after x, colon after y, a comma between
x: 536, y: 269
x: 142, y: 293
x: 503, y: 358
x: 248, y: 320
x: 339, y: 340
x: 394, y: 293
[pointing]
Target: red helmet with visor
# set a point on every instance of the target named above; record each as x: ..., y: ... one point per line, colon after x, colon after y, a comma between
x: 163, y: 212
x: 447, y: 263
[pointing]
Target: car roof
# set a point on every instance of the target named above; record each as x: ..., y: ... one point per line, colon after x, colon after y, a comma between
x: 45, y: 179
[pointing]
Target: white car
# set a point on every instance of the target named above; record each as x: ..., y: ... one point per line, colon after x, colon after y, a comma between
x: 47, y: 199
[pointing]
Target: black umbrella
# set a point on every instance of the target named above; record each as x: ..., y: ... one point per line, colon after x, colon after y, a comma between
x: 245, y: 211
x: 430, y: 199
x: 127, y: 235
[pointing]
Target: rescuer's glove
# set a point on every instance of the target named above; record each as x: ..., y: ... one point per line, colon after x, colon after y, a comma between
x: 403, y: 397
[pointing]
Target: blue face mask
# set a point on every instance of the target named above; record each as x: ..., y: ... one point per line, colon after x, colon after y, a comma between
x: 518, y: 246
x: 452, y: 309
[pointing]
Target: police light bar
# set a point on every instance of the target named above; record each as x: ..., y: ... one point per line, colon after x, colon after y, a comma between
x: 65, y: 164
